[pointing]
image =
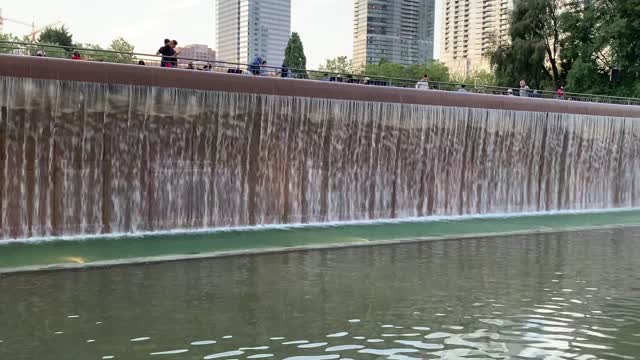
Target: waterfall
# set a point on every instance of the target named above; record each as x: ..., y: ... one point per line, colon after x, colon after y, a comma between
x: 84, y: 158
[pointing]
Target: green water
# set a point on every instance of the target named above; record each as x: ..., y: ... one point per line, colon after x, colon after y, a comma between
x: 572, y: 295
x: 18, y: 255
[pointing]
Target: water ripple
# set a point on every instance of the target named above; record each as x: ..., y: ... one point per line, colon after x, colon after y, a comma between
x: 203, y: 342
x: 420, y: 344
x: 260, y: 356
x: 170, y: 352
x: 387, y: 352
x: 344, y: 348
x: 340, y: 334
x: 144, y: 338
x: 224, y: 354
x: 317, y: 357
x: 296, y: 342
x: 313, y: 345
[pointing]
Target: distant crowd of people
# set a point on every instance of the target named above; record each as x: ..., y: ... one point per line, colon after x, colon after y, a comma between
x: 523, y: 91
x: 258, y: 67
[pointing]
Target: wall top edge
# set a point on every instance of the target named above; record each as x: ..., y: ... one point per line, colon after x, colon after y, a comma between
x: 107, y: 73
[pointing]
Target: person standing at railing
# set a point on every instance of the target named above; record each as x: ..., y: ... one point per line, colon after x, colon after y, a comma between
x: 560, y: 93
x: 259, y: 67
x: 264, y: 71
x: 167, y: 52
x: 524, y: 89
x: 254, y: 67
x: 76, y: 56
x: 424, y: 83
x: 176, y: 53
x: 284, y: 71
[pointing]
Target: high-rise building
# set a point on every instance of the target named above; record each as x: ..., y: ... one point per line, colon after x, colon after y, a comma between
x: 398, y: 31
x: 196, y: 52
x: 250, y: 28
x: 470, y: 29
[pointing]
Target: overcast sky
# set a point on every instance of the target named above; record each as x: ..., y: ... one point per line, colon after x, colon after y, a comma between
x: 325, y: 26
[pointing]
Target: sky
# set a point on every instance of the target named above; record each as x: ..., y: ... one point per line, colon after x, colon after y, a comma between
x: 325, y: 26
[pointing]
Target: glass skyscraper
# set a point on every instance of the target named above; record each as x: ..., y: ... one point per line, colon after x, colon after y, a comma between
x: 398, y: 31
x: 250, y: 28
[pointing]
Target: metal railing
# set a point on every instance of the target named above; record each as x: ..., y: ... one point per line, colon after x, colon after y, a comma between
x: 88, y: 54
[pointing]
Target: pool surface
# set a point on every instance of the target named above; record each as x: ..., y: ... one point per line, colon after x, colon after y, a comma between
x: 572, y: 295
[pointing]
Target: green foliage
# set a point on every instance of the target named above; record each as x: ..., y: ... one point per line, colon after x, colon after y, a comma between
x: 294, y: 56
x: 594, y: 40
x: 600, y: 38
x: 340, y: 64
x: 57, y: 36
x: 478, y: 78
x: 437, y: 71
x: 97, y: 53
x: 8, y: 48
x: 586, y: 77
x: 124, y: 49
x: 533, y: 52
x: 343, y: 65
x: 92, y: 52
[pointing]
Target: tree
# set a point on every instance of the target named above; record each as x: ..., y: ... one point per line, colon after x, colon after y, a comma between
x: 57, y: 36
x: 340, y: 65
x: 6, y: 48
x: 534, y: 50
x: 599, y: 38
x: 294, y: 56
x: 123, y: 48
x: 124, y: 51
x: 437, y: 71
x: 481, y: 77
x: 93, y: 52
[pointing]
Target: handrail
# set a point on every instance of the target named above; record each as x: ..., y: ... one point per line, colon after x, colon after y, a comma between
x: 224, y: 66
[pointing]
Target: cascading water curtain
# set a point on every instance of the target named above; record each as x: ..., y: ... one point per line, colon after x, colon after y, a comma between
x: 84, y: 158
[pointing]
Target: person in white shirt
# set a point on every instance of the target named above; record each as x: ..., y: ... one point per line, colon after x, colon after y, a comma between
x: 524, y: 89
x: 462, y: 89
x: 424, y: 83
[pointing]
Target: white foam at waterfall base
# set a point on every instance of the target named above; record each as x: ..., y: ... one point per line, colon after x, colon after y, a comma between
x: 258, y: 228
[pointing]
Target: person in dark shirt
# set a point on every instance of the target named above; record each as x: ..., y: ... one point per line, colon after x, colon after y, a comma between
x: 284, y: 71
x: 254, y: 67
x: 174, y: 57
x: 167, y: 53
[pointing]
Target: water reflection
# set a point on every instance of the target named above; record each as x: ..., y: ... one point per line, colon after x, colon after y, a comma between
x: 564, y: 296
